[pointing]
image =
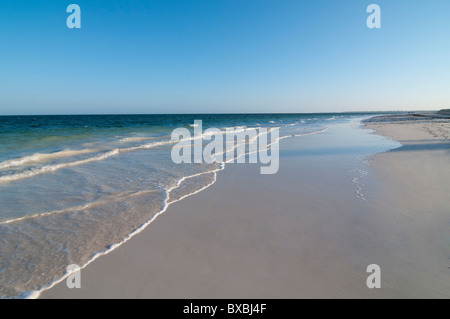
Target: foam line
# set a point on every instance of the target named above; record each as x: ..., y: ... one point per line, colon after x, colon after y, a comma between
x: 38, y: 157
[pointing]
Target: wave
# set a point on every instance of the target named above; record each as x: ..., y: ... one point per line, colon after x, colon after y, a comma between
x: 55, y: 167
x: 46, y: 157
x: 38, y: 157
x: 68, y: 153
x: 134, y: 139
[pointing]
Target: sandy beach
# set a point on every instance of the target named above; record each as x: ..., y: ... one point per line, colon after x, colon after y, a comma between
x: 309, y: 231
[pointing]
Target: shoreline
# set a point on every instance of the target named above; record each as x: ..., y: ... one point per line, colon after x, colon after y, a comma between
x: 252, y: 236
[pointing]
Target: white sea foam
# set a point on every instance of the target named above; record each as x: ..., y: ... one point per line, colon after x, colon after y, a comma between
x: 53, y: 168
x: 100, y: 157
x: 38, y: 157
x: 360, y: 174
x: 312, y: 133
x: 134, y: 139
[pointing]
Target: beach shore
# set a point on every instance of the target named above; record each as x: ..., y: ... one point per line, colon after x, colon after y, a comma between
x: 301, y: 233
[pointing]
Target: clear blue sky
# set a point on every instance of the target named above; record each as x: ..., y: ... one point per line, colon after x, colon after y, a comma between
x: 214, y: 56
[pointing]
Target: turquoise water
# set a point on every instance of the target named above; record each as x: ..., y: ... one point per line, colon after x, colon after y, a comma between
x: 75, y: 187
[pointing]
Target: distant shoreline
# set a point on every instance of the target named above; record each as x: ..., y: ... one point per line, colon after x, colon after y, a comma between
x: 232, y: 113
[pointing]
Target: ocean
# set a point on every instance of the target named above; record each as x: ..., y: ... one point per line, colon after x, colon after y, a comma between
x: 75, y: 187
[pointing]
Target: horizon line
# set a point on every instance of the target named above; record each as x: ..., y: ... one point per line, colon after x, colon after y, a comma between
x: 217, y: 113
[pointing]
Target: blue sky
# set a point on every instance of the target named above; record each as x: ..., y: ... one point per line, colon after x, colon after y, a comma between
x: 221, y: 56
